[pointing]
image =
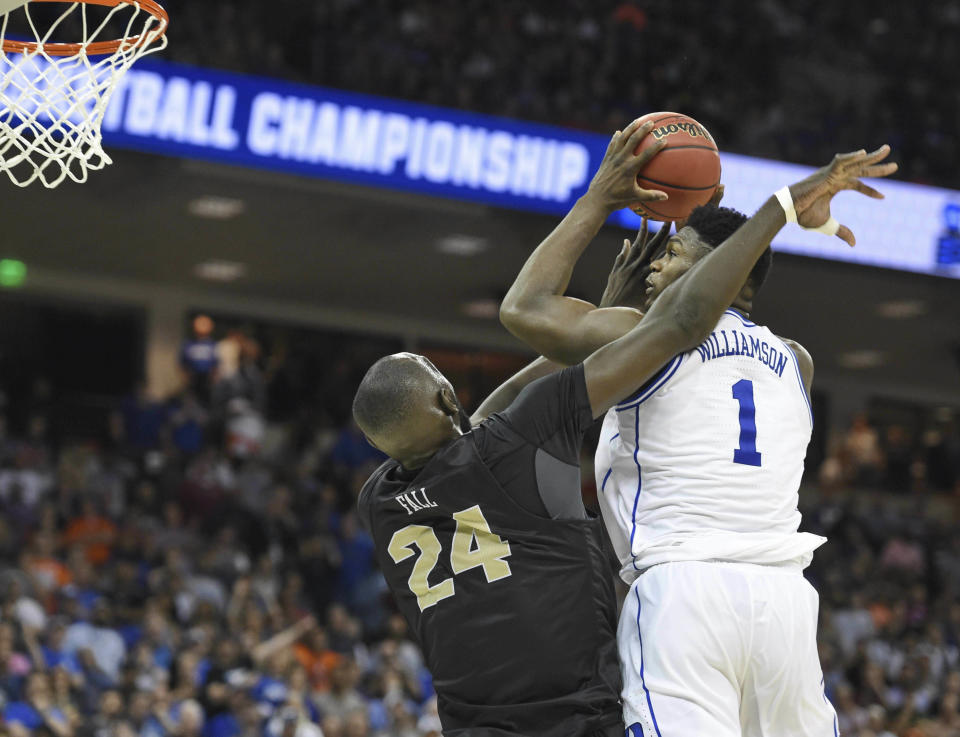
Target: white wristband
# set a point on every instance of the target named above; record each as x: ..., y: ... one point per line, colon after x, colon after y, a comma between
x: 786, y: 202
x: 831, y: 227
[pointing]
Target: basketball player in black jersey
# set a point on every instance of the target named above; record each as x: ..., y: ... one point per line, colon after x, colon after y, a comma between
x: 478, y: 525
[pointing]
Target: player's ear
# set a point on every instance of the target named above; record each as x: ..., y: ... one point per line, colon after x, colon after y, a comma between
x: 448, y: 402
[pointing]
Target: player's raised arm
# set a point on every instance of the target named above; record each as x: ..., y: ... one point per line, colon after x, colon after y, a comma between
x: 688, y: 309
x: 503, y: 396
x: 562, y: 328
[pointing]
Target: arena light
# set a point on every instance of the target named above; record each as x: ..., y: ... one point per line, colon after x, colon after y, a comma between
x: 462, y: 245
x: 862, y: 359
x: 221, y: 271
x: 902, y: 309
x: 12, y: 273
x: 481, y: 309
x: 212, y: 207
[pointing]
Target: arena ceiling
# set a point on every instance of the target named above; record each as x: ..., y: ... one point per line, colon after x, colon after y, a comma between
x: 413, y: 260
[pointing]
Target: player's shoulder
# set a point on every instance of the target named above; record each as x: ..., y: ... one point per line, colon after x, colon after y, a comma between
x: 802, y: 354
x: 370, y: 489
x: 804, y: 360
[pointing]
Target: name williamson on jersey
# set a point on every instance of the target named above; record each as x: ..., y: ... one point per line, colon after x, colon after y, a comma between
x: 723, y: 343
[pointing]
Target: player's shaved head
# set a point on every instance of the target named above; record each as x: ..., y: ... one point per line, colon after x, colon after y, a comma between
x: 406, y: 407
x: 390, y: 391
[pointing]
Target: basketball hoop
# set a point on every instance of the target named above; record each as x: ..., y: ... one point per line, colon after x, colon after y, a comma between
x: 53, y: 95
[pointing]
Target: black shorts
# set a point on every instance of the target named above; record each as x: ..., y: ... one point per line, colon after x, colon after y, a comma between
x: 614, y: 730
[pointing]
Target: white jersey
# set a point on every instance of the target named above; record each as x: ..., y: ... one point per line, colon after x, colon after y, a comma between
x: 704, y: 462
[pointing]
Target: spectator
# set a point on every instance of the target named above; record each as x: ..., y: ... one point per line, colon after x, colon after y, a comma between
x: 55, y: 653
x: 189, y: 720
x: 97, y: 641
x: 289, y: 722
x: 188, y: 422
x: 25, y: 610
x: 198, y: 357
x: 862, y: 445
x: 876, y: 723
x: 851, y: 717
x: 108, y: 717
x: 14, y: 666
x: 357, y: 724
x: 143, y: 418
x: 356, y: 559
x: 352, y: 451
x: 316, y: 658
x: 47, y: 572
x: 239, y: 375
x: 37, y: 711
x: 245, y: 428
x: 91, y: 532
x: 343, y: 698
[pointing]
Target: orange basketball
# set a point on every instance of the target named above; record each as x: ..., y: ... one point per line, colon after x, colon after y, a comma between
x: 687, y: 168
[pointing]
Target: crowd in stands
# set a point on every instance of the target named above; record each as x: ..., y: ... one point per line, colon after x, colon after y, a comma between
x: 892, y: 457
x: 785, y: 80
x: 198, y: 570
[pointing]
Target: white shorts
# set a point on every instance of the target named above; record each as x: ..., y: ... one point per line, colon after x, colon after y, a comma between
x: 722, y: 650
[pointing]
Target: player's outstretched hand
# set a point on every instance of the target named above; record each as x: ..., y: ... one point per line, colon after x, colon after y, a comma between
x: 811, y: 197
x: 626, y: 284
x: 715, y: 200
x: 615, y: 183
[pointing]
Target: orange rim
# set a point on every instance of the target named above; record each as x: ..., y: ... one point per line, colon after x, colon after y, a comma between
x: 99, y: 47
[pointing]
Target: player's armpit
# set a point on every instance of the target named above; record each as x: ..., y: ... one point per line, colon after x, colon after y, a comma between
x: 567, y: 330
x: 615, y: 371
x: 804, y: 362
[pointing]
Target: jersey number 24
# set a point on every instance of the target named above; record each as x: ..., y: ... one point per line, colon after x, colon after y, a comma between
x: 474, y: 545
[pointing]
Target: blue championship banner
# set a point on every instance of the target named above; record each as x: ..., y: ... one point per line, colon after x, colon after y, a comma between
x: 339, y: 135
x: 317, y: 132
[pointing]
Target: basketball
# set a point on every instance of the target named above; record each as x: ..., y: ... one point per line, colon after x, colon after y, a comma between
x: 687, y: 169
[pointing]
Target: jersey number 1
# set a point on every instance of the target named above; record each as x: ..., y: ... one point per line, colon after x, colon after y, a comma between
x: 474, y: 545
x: 747, y: 453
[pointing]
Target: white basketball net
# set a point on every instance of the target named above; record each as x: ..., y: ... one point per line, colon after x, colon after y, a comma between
x: 51, y: 107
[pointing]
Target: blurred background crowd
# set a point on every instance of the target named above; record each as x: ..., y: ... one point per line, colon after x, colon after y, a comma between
x: 762, y: 76
x: 195, y: 568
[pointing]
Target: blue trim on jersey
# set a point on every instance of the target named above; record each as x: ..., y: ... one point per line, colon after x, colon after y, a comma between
x: 741, y: 318
x: 655, y: 384
x: 614, y: 437
x: 836, y: 729
x: 603, y: 485
x: 642, y: 681
x: 803, y: 388
x: 636, y: 499
x: 634, y: 730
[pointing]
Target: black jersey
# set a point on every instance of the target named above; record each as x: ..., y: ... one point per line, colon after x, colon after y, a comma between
x: 514, y: 610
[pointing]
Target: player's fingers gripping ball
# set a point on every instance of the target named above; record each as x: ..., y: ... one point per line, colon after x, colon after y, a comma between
x: 687, y: 169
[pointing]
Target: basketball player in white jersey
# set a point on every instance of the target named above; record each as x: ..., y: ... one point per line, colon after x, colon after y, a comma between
x: 697, y: 476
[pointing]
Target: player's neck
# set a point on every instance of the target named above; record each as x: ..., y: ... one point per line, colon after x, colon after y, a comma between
x: 743, y: 305
x: 415, y: 462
